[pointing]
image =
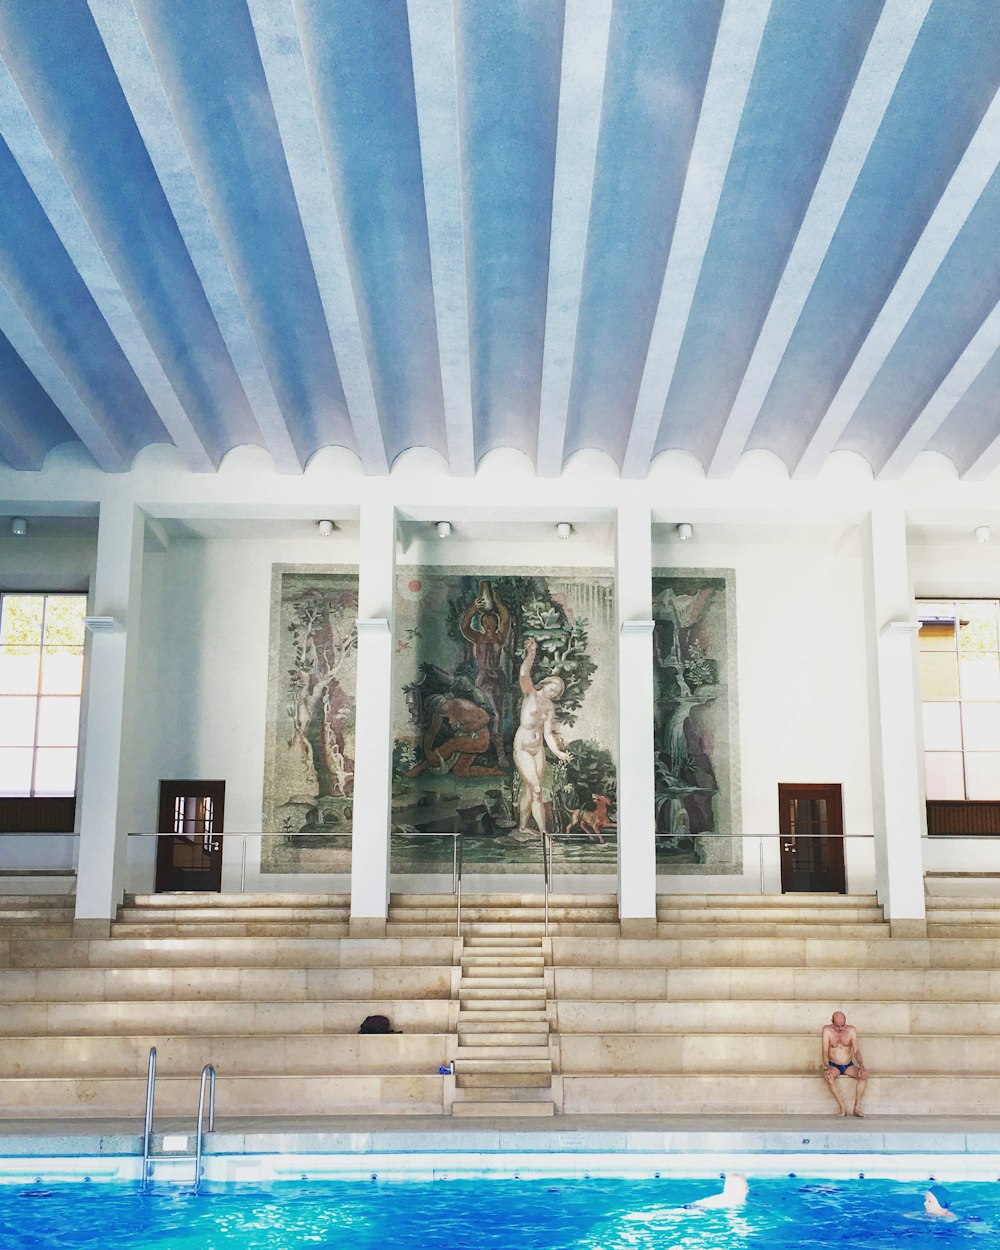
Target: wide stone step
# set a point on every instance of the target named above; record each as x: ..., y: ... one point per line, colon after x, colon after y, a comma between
x: 216, y: 915
x: 274, y: 1055
x: 199, y: 899
x: 492, y: 1109
x: 35, y: 930
x: 969, y: 929
x: 290, y: 984
x: 774, y: 929
x: 944, y: 1056
x: 222, y: 1017
x: 767, y: 1016
x: 499, y: 942
x: 500, y: 1041
x: 509, y: 900
x: 525, y: 1052
x: 237, y: 952
x: 785, y: 901
x: 763, y: 915
x: 254, y: 1095
x: 502, y: 915
x: 473, y: 1015
x: 800, y: 1095
x: 230, y: 928
x: 515, y: 966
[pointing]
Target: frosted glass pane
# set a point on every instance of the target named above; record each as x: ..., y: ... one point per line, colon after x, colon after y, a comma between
x: 15, y: 771
x: 980, y: 676
x: 942, y: 727
x: 17, y: 720
x: 978, y: 627
x: 982, y: 774
x: 55, y: 771
x: 58, y: 722
x: 62, y: 672
x: 21, y: 620
x: 943, y: 775
x: 64, y: 620
x: 981, y: 726
x: 938, y: 675
x: 18, y: 671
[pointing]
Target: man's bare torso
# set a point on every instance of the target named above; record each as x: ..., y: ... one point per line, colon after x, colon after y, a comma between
x: 841, y: 1042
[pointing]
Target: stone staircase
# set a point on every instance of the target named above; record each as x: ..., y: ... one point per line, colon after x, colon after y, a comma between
x: 233, y: 915
x: 776, y: 915
x: 503, y: 1066
x: 504, y: 915
x: 36, y: 915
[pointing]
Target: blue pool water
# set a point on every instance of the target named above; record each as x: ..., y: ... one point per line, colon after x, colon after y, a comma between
x: 578, y: 1214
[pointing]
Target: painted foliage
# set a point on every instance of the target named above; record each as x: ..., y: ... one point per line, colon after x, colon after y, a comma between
x: 504, y: 719
x: 309, y: 758
x: 695, y: 743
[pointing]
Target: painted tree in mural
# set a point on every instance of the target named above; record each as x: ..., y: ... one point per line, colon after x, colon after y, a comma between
x: 323, y: 635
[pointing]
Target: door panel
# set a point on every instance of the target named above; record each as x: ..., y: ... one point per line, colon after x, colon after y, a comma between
x: 811, y: 829
x: 192, y: 859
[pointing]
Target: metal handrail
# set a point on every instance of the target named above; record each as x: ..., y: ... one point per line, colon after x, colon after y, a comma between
x: 147, y: 1129
x: 207, y: 1077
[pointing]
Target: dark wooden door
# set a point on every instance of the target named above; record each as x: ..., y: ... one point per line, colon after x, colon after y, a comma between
x: 192, y: 811
x: 810, y: 822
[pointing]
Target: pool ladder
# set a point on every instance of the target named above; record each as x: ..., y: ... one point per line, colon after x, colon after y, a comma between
x: 148, y: 1158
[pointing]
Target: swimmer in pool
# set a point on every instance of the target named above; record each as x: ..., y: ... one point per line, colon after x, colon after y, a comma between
x: 840, y: 1052
x: 937, y: 1204
x: 734, y: 1194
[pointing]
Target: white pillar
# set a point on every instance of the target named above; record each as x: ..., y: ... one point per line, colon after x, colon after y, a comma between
x: 894, y: 710
x: 636, y: 789
x: 373, y: 725
x: 112, y: 671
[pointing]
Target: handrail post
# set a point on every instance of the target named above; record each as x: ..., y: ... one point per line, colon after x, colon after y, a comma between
x: 147, y: 1130
x: 545, y: 878
x: 207, y: 1075
x: 459, y: 869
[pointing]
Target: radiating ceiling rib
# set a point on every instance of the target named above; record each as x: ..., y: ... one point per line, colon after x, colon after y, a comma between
x: 126, y: 44
x: 45, y: 178
x: 30, y: 423
x: 740, y: 32
x: 963, y: 374
x: 966, y: 186
x: 281, y: 56
x: 970, y: 434
x: 88, y: 426
x: 887, y: 53
x: 581, y: 92
x: 435, y: 81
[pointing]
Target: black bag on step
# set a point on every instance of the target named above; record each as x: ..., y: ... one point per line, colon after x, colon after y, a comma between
x: 375, y: 1024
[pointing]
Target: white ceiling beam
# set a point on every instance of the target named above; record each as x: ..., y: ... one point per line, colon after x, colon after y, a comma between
x: 737, y: 44
x: 980, y: 351
x: 977, y: 166
x: 435, y: 82
x: 44, y: 176
x: 888, y: 51
x: 280, y: 47
x: 52, y: 376
x: 581, y: 95
x: 133, y: 63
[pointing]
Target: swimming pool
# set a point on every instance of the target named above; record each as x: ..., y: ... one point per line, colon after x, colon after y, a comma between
x: 596, y: 1213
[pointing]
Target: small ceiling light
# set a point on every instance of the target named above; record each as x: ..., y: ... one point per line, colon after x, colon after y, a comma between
x: 18, y: 526
x: 443, y: 529
x: 564, y: 529
x: 684, y: 531
x: 325, y: 528
x: 983, y: 534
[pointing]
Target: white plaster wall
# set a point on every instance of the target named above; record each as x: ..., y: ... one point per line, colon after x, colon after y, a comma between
x: 802, y: 688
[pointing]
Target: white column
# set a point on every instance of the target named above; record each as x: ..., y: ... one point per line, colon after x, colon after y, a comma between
x: 894, y: 711
x: 636, y: 789
x: 112, y: 672
x: 373, y: 726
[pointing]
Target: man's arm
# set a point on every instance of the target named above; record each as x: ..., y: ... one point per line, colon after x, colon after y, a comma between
x: 824, y: 1047
x: 856, y: 1053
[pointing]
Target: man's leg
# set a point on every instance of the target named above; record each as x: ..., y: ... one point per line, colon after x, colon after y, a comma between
x: 831, y: 1076
x: 859, y: 1093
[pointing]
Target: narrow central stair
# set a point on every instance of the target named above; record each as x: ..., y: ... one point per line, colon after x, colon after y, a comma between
x: 503, y: 1066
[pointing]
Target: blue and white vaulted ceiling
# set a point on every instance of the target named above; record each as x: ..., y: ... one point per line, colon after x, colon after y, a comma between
x: 630, y: 225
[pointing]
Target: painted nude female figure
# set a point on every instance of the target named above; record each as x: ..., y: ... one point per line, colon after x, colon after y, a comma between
x: 538, y: 727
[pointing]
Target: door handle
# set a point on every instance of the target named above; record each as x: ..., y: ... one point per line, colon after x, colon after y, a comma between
x: 790, y: 846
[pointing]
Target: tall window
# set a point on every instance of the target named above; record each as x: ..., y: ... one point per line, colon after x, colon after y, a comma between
x: 960, y: 688
x: 41, y: 679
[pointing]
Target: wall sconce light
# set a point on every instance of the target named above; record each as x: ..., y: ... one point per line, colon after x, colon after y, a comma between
x: 684, y: 531
x: 325, y: 528
x: 18, y: 526
x: 983, y: 534
x: 443, y: 529
x: 564, y: 529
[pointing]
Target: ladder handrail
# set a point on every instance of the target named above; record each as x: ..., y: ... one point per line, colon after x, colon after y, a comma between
x: 207, y: 1076
x: 147, y: 1129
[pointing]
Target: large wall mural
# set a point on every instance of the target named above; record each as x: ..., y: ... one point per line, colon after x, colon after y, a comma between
x: 309, y: 754
x: 695, y: 730
x: 504, y: 719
